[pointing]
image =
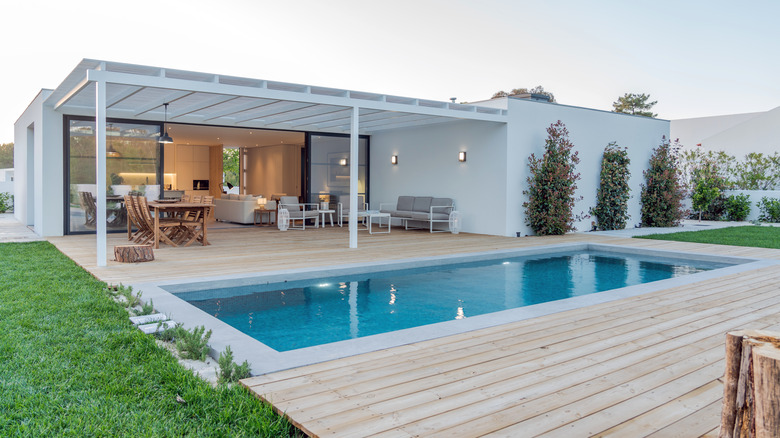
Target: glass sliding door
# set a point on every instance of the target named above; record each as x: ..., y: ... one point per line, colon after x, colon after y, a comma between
x: 133, y: 166
x: 329, y: 169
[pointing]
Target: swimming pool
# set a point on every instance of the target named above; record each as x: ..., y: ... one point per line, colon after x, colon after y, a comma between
x: 297, y: 314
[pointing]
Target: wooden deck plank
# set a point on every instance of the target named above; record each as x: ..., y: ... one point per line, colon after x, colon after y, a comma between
x: 490, y: 410
x: 642, y: 366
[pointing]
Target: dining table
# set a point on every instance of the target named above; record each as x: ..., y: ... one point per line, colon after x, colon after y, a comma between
x: 172, y: 208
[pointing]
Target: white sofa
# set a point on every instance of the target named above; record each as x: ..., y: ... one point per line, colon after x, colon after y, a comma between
x: 235, y: 208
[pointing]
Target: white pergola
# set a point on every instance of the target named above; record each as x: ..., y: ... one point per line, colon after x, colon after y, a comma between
x: 126, y: 91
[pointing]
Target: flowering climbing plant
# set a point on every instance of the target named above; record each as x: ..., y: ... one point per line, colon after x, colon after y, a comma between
x: 552, y: 185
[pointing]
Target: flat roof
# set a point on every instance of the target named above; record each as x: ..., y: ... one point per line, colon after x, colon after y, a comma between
x: 139, y: 92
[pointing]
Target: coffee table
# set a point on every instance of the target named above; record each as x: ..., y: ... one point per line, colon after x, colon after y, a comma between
x: 369, y: 215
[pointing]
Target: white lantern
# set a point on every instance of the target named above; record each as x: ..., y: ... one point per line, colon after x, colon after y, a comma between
x: 455, y: 222
x: 283, y: 219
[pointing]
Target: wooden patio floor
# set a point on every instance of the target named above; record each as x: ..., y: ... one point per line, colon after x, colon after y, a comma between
x: 642, y: 366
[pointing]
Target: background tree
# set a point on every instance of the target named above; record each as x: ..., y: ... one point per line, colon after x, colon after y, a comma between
x: 636, y: 104
x: 515, y: 91
x: 230, y: 165
x: 611, y: 209
x: 552, y: 184
x: 6, y: 155
x: 663, y: 192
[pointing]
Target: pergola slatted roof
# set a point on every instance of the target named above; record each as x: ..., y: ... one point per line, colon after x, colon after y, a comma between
x: 138, y: 92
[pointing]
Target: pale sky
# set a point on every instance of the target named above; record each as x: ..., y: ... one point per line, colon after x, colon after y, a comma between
x: 696, y: 58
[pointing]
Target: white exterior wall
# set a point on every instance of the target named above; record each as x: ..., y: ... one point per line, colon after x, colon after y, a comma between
x: 428, y: 166
x: 590, y: 131
x: 38, y: 168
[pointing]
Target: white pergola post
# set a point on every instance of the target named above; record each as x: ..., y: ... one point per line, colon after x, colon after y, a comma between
x: 100, y: 170
x: 354, y: 135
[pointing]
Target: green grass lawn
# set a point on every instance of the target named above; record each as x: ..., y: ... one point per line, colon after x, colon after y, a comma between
x: 72, y: 364
x: 760, y: 237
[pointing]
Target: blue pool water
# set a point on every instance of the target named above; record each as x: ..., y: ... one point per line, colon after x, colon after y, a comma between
x: 291, y: 315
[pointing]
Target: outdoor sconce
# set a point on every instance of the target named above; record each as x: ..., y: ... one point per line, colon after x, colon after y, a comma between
x: 394, y: 159
x: 462, y: 156
x: 343, y: 161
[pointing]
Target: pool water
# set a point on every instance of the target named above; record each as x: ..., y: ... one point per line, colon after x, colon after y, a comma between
x: 297, y: 314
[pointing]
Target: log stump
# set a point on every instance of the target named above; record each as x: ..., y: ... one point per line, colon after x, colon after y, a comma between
x: 133, y: 253
x: 751, y: 385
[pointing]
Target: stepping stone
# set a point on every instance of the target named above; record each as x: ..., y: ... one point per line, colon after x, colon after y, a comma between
x: 156, y: 327
x: 146, y: 319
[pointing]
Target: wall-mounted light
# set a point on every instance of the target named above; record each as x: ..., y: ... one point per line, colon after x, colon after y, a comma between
x: 343, y: 162
x: 462, y: 156
x: 394, y: 159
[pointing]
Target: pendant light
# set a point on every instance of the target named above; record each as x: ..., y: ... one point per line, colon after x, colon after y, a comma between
x: 165, y: 139
x: 111, y: 152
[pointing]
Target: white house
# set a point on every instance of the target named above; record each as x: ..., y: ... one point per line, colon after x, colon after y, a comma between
x: 7, y: 181
x: 735, y: 134
x: 100, y: 128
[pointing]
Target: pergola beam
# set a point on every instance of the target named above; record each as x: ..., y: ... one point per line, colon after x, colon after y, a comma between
x: 291, y: 96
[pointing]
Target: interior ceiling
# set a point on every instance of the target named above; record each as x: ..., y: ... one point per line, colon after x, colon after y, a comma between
x: 231, y: 137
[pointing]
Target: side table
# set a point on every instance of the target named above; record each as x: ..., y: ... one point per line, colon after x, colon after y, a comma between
x: 323, y: 213
x: 263, y: 211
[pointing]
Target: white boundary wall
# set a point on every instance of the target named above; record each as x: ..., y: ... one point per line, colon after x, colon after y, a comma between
x: 755, y: 197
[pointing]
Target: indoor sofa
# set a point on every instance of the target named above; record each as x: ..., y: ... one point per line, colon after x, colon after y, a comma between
x: 235, y: 208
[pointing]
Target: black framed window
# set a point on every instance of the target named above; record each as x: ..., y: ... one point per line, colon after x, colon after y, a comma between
x: 328, y: 163
x: 133, y: 165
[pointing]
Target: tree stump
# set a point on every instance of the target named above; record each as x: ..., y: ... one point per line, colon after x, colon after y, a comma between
x: 133, y: 253
x: 751, y: 385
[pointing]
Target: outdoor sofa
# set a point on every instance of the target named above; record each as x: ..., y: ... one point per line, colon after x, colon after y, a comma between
x: 421, y: 212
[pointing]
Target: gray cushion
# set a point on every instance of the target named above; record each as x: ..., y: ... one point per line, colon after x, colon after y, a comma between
x: 397, y: 213
x: 422, y: 204
x: 405, y: 203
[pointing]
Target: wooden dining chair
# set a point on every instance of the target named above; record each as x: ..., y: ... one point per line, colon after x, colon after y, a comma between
x: 142, y: 234
x: 168, y: 226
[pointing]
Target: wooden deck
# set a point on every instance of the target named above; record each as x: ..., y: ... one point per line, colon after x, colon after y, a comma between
x: 642, y: 366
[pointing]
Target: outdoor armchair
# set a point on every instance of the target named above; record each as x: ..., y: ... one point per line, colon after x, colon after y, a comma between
x: 300, y: 211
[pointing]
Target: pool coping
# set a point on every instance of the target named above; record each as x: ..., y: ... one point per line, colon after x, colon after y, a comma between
x: 265, y: 359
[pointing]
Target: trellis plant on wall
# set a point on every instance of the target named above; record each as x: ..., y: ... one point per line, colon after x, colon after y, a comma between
x: 611, y: 209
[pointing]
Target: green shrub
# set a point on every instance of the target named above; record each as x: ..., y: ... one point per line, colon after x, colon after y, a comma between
x: 770, y: 209
x: 168, y: 334
x: 193, y: 344
x: 611, y: 209
x: 146, y: 309
x: 6, y: 202
x: 708, y: 198
x: 662, y: 194
x: 737, y: 207
x: 229, y: 371
x: 552, y: 184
